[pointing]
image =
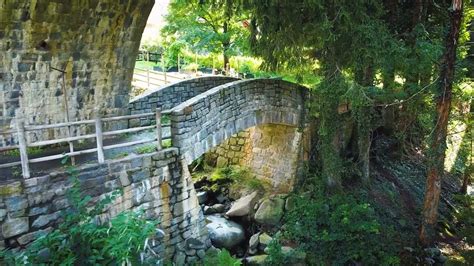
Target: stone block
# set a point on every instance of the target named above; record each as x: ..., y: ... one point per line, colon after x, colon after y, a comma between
x: 16, y: 203
x: 14, y: 227
x: 45, y: 219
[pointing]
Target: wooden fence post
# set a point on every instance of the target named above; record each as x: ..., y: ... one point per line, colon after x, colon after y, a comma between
x: 163, y: 66
x: 4, y: 101
x: 148, y: 78
x: 25, y: 168
x: 158, y: 128
x: 99, y: 139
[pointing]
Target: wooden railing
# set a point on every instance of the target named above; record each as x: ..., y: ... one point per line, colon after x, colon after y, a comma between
x: 22, y: 130
x: 149, y: 78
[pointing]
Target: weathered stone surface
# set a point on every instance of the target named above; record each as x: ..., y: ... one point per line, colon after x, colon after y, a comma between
x: 202, y: 197
x: 264, y: 240
x: 243, y: 206
x: 270, y: 211
x: 216, y: 208
x: 157, y: 195
x: 290, y: 203
x: 16, y: 203
x: 269, y: 151
x: 256, y: 260
x: 235, y: 106
x: 224, y: 233
x: 43, y: 220
x: 193, y: 243
x: 253, y: 244
x: 170, y: 96
x: 3, y: 213
x: 94, y: 42
x: 27, y: 238
x: 14, y: 227
x: 180, y: 259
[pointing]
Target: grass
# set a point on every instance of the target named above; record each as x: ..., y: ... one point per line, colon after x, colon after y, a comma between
x: 146, y: 64
x: 166, y: 143
x: 121, y: 155
x: 152, y: 147
x: 146, y: 149
x: 31, y: 151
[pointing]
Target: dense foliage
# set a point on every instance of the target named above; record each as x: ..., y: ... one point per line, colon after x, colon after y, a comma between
x: 337, y: 230
x: 205, y: 28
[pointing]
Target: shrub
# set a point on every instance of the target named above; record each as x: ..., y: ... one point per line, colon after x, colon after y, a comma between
x: 238, y: 178
x: 221, y: 257
x: 81, y: 238
x: 337, y: 230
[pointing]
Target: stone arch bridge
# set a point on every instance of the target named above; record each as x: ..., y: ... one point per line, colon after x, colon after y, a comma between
x: 81, y: 54
x: 160, y: 182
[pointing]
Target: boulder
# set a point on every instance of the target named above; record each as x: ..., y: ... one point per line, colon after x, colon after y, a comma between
x: 202, y: 197
x: 221, y: 198
x: 270, y: 211
x: 253, y: 243
x: 224, y: 233
x: 256, y: 260
x: 290, y: 203
x: 264, y: 240
x: 243, y: 206
x: 216, y: 208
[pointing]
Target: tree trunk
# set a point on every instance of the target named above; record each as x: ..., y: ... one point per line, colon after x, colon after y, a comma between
x: 466, y: 181
x: 225, y: 46
x: 226, y: 57
x: 365, y: 77
x: 438, y: 141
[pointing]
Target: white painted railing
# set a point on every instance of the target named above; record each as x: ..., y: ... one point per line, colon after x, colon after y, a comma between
x: 22, y: 130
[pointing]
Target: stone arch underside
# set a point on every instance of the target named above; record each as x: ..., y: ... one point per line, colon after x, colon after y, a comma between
x: 205, y: 121
x: 272, y: 152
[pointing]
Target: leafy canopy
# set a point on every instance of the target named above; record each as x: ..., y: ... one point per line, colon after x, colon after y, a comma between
x: 206, y: 27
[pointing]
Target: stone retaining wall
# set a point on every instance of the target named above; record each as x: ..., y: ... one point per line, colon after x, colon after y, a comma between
x: 158, y: 183
x: 208, y: 119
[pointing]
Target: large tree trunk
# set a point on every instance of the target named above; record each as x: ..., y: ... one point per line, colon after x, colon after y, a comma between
x: 365, y: 77
x: 438, y: 141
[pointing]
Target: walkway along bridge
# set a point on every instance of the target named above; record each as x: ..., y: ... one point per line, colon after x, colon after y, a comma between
x: 202, y: 112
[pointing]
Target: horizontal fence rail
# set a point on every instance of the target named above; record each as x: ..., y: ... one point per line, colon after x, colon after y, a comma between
x: 149, y: 78
x: 22, y: 130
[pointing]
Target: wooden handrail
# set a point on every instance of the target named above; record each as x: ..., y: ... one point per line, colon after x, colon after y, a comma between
x: 98, y: 135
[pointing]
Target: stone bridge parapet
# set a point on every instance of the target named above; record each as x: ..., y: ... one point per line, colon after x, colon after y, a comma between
x: 205, y: 121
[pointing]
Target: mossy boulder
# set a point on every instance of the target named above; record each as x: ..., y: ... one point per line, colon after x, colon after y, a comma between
x: 256, y: 260
x: 270, y: 211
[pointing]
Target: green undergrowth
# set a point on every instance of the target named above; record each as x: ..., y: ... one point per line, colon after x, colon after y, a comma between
x: 152, y: 147
x: 218, y: 258
x: 232, y: 178
x: 335, y: 229
x: 32, y: 151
